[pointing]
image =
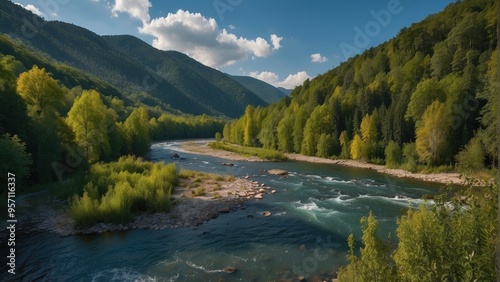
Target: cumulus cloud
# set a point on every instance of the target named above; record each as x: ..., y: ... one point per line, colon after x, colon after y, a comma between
x: 289, y: 82
x: 32, y: 8
x: 317, y: 58
x: 138, y: 9
x: 201, y: 38
x: 275, y: 40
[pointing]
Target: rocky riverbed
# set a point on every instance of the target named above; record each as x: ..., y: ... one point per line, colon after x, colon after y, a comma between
x: 41, y: 211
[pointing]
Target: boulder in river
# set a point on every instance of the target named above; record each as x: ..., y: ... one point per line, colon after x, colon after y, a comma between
x: 278, y: 172
x: 266, y: 213
x: 230, y: 269
x: 258, y: 196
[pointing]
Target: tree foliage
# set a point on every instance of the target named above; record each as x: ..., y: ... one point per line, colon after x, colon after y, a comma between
x: 382, y: 95
x: 88, y: 120
x: 452, y: 240
x: 432, y: 134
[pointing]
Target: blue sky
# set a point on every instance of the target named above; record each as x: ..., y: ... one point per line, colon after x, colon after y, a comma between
x: 282, y: 42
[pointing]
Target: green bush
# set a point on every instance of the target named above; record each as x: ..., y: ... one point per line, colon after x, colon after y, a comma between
x: 453, y: 240
x: 410, y: 157
x: 116, y: 191
x: 471, y: 158
x: 393, y: 155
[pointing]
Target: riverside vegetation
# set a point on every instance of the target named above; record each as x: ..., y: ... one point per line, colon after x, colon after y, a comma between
x: 426, y: 100
x: 78, y: 143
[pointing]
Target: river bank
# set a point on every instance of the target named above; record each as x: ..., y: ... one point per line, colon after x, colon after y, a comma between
x: 201, y: 147
x: 195, y: 202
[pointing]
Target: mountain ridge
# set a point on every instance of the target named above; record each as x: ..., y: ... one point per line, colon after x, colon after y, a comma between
x: 210, y: 92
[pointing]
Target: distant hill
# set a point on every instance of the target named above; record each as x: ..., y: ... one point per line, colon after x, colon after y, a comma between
x: 264, y: 90
x: 286, y: 91
x: 138, y: 70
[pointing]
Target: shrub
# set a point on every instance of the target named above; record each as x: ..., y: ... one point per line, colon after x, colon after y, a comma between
x: 471, y: 158
x: 393, y: 155
x: 116, y: 191
x: 198, y: 192
x: 410, y: 157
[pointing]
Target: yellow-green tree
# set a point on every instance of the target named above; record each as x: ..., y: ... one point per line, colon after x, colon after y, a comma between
x: 344, y: 144
x: 285, y: 130
x: 137, y: 130
x: 425, y: 94
x: 250, y: 132
x: 42, y: 96
x: 40, y: 91
x: 357, y: 147
x: 87, y: 119
x: 432, y: 133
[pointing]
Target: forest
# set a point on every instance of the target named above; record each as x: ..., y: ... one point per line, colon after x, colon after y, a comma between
x: 53, y: 137
x: 425, y: 100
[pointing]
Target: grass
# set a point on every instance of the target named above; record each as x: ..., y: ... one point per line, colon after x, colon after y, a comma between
x: 267, y: 154
x: 198, y: 192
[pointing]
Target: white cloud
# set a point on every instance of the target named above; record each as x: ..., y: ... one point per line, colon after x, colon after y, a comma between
x: 138, y: 9
x: 32, y: 8
x: 289, y: 82
x: 231, y: 27
x: 317, y: 58
x: 201, y: 38
x: 276, y: 41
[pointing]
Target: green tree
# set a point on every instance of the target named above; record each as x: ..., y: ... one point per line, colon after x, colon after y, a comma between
x: 14, y: 158
x: 218, y: 137
x: 373, y: 263
x: 471, y: 158
x: 42, y: 96
x: 427, y: 91
x: 393, y: 155
x: 137, y: 130
x: 87, y: 118
x: 285, y: 130
x: 432, y: 134
x: 40, y: 91
x: 420, y: 253
x: 410, y: 157
x: 441, y: 60
x: 250, y: 127
x: 357, y: 148
x: 344, y: 144
x: 325, y: 146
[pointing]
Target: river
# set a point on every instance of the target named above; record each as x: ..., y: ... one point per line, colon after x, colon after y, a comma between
x: 314, y: 210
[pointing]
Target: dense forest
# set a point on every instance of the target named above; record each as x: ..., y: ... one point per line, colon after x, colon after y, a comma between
x: 426, y: 98
x: 50, y: 131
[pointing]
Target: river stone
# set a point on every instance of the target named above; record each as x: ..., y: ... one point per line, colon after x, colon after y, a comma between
x: 230, y: 269
x: 258, y: 196
x: 278, y: 172
x: 266, y: 213
x: 224, y: 210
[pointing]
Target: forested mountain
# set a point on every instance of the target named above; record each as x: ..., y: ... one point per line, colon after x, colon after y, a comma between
x: 426, y: 97
x: 140, y: 71
x: 284, y: 90
x: 264, y: 90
